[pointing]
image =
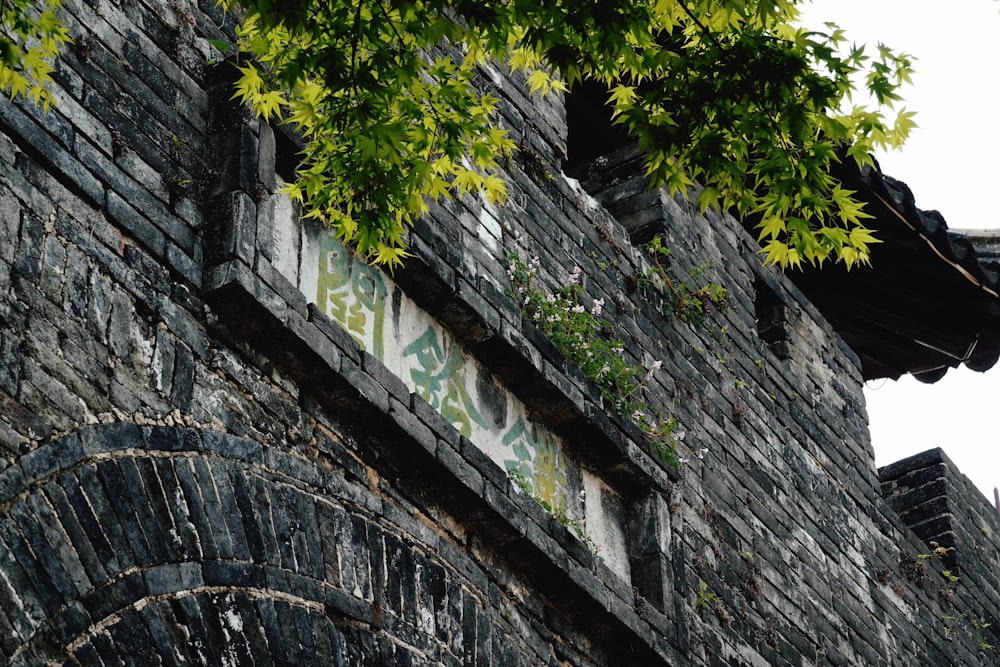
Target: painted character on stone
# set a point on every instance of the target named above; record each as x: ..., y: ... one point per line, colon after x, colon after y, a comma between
x: 538, y: 463
x: 352, y: 294
x: 440, y: 381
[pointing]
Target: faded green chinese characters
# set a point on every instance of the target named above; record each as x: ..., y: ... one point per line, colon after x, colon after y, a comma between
x: 440, y: 381
x: 352, y: 294
x: 538, y: 462
x: 418, y: 350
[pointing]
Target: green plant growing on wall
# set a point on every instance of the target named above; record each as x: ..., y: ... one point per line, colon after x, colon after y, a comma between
x: 704, y: 599
x: 939, y: 553
x: 690, y: 304
x: 686, y: 302
x: 726, y: 92
x: 31, y: 36
x: 585, y: 339
x: 973, y: 628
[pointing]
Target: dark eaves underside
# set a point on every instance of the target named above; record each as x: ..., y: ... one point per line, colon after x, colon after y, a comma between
x: 930, y: 299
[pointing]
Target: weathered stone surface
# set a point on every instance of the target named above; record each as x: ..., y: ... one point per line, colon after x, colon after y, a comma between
x: 197, y: 466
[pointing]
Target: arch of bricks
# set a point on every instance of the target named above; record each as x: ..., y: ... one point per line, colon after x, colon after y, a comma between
x: 164, y: 545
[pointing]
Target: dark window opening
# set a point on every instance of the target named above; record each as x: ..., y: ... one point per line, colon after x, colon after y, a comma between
x: 590, y: 132
x: 772, y: 320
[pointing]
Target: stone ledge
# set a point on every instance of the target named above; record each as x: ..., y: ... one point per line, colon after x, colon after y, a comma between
x: 232, y: 288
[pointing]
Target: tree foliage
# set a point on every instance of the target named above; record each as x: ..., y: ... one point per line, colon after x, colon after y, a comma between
x: 31, y: 35
x: 728, y: 93
x: 389, y: 96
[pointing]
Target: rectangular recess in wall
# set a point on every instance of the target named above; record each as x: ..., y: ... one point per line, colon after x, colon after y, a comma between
x: 772, y: 319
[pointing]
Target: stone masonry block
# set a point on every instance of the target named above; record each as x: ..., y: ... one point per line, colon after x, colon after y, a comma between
x: 459, y: 467
x: 44, y: 559
x: 115, y: 489
x: 28, y: 263
x: 182, y: 324
x: 58, y: 542
x: 94, y: 558
x: 182, y: 382
x: 163, y: 361
x: 478, y: 459
x: 187, y: 265
x: 27, y: 594
x: 99, y: 305
x: 74, y: 292
x: 146, y: 233
x: 53, y: 262
x: 10, y: 222
x: 10, y: 362
x: 48, y: 153
x: 234, y: 157
x: 227, y: 529
x: 340, y: 338
x: 51, y: 458
x: 12, y: 483
x: 172, y: 578
x: 96, y: 518
x: 230, y: 228
x: 396, y: 388
x: 120, y: 324
x: 150, y: 507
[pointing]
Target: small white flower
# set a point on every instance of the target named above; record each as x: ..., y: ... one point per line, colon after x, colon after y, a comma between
x: 700, y: 453
x: 598, y: 306
x: 578, y: 309
x: 637, y: 415
x: 679, y: 435
x: 657, y: 364
x: 681, y: 460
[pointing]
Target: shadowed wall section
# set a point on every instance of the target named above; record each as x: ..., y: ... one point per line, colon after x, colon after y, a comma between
x: 174, y: 545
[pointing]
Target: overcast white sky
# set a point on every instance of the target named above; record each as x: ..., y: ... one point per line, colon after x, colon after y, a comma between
x: 951, y: 164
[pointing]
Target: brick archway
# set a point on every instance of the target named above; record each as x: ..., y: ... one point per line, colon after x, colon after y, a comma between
x: 195, y: 547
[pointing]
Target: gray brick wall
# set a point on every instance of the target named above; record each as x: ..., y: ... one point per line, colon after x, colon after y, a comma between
x: 198, y: 467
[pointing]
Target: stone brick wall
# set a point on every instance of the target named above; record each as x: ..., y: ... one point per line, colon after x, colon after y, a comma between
x: 202, y: 462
